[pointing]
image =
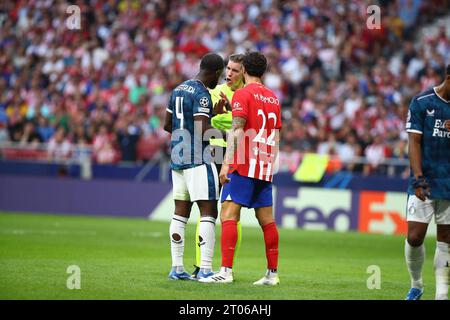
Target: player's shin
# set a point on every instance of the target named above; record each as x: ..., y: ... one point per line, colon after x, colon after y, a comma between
x: 415, y: 256
x: 239, y: 240
x: 197, y: 244
x: 442, y: 270
x: 206, y: 239
x: 271, y: 240
x: 176, y: 230
x: 228, y: 242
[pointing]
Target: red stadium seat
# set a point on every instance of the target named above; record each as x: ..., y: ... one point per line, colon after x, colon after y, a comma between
x: 24, y: 154
x: 148, y: 147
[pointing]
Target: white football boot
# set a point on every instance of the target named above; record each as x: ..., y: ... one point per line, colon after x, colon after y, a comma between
x: 270, y: 279
x: 225, y: 275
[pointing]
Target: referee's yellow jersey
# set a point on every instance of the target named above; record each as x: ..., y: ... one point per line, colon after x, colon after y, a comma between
x: 221, y: 121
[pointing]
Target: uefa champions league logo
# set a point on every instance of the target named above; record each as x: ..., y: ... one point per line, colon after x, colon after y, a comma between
x: 204, y: 102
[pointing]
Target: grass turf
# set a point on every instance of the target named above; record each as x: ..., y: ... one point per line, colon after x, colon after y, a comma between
x: 122, y: 258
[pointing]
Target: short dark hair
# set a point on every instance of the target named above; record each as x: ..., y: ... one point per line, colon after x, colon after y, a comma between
x: 211, y: 62
x: 255, y: 64
x: 448, y: 70
x: 236, y: 57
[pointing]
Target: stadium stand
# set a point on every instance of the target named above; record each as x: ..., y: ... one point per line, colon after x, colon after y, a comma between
x: 345, y: 88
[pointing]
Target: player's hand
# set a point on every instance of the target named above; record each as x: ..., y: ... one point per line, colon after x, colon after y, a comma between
x: 227, y: 102
x: 219, y: 107
x: 447, y: 125
x: 422, y: 188
x: 223, y: 176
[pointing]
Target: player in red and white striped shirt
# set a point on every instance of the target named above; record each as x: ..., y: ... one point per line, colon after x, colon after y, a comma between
x: 249, y: 166
x: 256, y: 152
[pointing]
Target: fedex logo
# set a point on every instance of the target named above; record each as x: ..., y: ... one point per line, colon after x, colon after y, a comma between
x: 382, y: 212
x: 315, y: 209
x: 341, y: 210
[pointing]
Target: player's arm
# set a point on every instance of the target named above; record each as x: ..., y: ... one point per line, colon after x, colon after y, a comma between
x: 168, y: 119
x: 239, y: 113
x: 414, y: 127
x: 415, y: 158
x: 415, y: 154
x: 202, y: 123
x: 234, y: 136
x: 168, y: 122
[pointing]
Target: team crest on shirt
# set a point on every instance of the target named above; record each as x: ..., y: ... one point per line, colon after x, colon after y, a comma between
x: 204, y: 102
x: 412, y: 210
x: 237, y: 106
x: 430, y: 113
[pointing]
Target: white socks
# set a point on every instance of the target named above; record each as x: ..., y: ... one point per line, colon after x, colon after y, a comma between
x: 415, y: 256
x: 207, y: 239
x: 176, y: 231
x: 270, y: 273
x: 442, y: 270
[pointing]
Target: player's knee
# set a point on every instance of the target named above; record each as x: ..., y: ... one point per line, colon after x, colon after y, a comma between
x: 444, y: 237
x: 415, y: 239
x: 182, y: 213
x: 207, y: 208
x: 265, y: 220
x: 226, y: 215
x: 212, y: 215
x: 176, y: 238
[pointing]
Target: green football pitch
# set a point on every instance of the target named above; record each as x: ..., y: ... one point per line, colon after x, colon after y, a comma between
x: 122, y: 258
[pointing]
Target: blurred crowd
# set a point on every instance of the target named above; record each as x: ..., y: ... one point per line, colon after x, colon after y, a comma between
x: 345, y: 88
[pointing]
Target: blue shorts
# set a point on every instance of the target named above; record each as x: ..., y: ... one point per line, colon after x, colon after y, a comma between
x: 248, y: 192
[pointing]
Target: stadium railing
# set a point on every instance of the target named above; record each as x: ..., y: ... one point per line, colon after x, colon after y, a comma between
x: 83, y: 156
x: 389, y: 167
x: 40, y: 153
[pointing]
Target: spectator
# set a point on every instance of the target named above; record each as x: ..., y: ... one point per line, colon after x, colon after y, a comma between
x: 4, y: 136
x: 102, y: 145
x: 30, y: 136
x: 59, y: 147
x: 375, y: 154
x: 332, y: 75
x: 127, y: 138
x: 107, y: 154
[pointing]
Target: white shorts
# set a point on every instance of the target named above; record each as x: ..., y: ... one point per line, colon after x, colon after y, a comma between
x: 198, y: 183
x: 423, y: 211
